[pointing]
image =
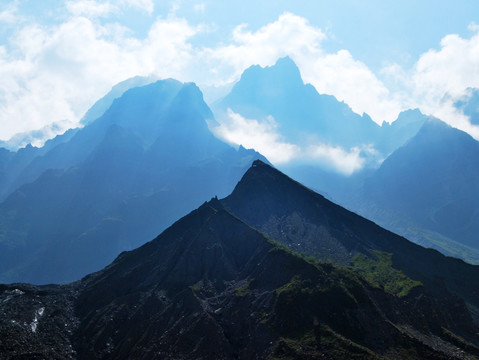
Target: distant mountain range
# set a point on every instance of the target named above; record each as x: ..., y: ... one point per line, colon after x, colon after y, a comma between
x: 113, y: 184
x: 214, y: 286
x: 145, y: 157
x: 419, y: 177
x: 429, y: 183
x: 305, y: 117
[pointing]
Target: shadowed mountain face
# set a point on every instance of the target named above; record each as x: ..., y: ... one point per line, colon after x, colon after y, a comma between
x: 211, y: 286
x: 308, y: 223
x: 115, y: 184
x: 430, y: 182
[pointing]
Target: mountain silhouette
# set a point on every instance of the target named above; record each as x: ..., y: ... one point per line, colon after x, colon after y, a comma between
x: 296, y: 107
x: 429, y: 183
x: 306, y: 118
x: 115, y: 184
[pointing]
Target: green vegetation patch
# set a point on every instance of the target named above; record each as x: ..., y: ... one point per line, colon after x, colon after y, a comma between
x: 382, y: 274
x: 198, y: 286
x: 243, y: 290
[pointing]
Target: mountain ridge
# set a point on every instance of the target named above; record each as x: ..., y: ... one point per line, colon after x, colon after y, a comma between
x: 297, y: 219
x: 430, y: 180
x: 213, y: 286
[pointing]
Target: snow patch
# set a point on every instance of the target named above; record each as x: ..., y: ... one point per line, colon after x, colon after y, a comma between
x: 34, y: 323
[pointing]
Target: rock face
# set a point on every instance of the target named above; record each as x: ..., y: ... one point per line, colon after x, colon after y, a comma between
x: 212, y: 286
x: 37, y: 322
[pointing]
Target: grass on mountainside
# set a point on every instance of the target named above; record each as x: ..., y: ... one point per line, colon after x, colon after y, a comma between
x: 382, y: 274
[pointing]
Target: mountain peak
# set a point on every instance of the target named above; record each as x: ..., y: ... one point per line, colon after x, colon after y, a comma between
x: 286, y: 64
x: 410, y: 116
x: 159, y: 107
x: 102, y: 105
x: 264, y: 190
x: 260, y: 172
x: 258, y: 163
x: 437, y: 131
x: 297, y: 108
x: 283, y: 73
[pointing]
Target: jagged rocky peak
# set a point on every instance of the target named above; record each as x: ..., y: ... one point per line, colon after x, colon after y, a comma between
x: 163, y: 109
x: 297, y: 108
x: 284, y: 71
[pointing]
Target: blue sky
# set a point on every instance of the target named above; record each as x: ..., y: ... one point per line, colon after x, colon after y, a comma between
x: 380, y: 57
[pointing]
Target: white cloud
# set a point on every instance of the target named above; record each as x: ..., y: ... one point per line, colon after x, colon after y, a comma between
x: 90, y: 8
x: 261, y: 136
x: 200, y: 8
x: 95, y: 8
x: 353, y: 82
x: 441, y: 77
x: 145, y: 5
x: 452, y: 69
x: 336, y: 158
x: 9, y: 15
x: 473, y: 27
x: 54, y: 74
x: 264, y: 137
x: 175, y: 6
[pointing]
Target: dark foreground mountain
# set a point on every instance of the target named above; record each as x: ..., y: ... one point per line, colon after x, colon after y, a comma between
x: 211, y: 286
x: 308, y: 223
x: 115, y: 184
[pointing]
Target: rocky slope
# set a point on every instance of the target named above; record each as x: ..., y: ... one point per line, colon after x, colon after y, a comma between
x: 310, y: 224
x: 211, y: 286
